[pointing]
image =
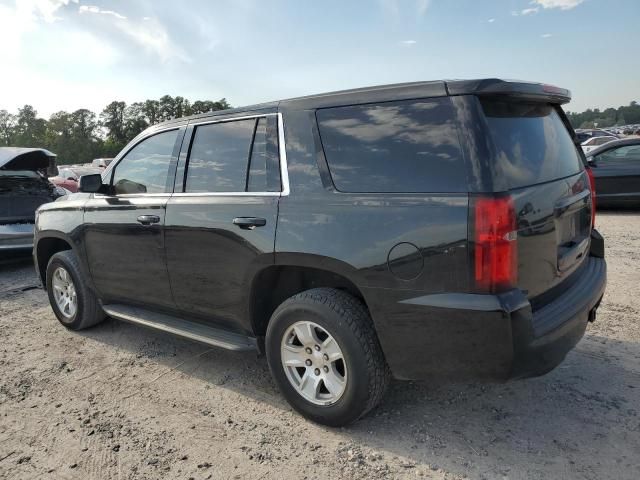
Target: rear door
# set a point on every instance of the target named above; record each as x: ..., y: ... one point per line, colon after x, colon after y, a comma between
x: 124, y: 230
x: 221, y: 220
x: 617, y: 173
x: 536, y: 161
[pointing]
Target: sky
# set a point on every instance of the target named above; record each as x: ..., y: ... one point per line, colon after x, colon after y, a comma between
x: 70, y: 54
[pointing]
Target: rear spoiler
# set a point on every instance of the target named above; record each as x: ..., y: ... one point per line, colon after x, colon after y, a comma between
x: 537, y: 92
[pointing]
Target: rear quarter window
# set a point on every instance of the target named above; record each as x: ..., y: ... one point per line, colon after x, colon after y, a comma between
x: 405, y: 146
x: 532, y: 144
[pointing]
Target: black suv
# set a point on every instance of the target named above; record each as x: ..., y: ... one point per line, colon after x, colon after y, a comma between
x: 416, y: 230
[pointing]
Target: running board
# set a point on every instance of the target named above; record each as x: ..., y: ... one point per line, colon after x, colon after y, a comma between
x: 183, y: 328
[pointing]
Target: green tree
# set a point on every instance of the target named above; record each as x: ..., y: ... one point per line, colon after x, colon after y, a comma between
x: 30, y: 131
x: 7, y: 127
x: 135, y: 119
x: 113, y: 119
x: 151, y: 110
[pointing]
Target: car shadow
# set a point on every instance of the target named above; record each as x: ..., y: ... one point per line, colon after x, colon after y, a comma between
x: 516, y: 430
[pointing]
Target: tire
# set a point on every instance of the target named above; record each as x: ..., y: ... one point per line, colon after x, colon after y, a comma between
x: 344, y: 390
x: 87, y: 311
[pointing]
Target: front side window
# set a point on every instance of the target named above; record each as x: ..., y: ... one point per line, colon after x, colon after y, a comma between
x: 404, y: 146
x: 145, y: 168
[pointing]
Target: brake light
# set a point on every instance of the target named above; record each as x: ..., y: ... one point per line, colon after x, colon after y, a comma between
x: 592, y: 187
x: 496, y: 247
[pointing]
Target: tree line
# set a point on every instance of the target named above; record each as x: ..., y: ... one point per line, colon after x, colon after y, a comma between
x: 609, y: 117
x: 82, y: 135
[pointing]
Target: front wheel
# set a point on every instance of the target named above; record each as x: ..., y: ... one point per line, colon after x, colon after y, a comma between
x: 73, y: 303
x: 325, y: 356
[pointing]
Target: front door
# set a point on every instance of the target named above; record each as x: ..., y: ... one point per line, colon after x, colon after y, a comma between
x: 221, y: 222
x: 124, y: 229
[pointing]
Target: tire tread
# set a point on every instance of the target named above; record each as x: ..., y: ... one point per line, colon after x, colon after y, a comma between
x: 354, y: 313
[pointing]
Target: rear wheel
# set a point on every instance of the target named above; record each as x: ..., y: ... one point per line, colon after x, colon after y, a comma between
x: 325, y: 356
x: 75, y: 306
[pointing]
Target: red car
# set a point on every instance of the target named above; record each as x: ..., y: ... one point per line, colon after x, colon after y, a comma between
x: 66, y: 178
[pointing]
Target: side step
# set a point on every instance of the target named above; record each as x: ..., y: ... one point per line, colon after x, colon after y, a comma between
x: 183, y: 328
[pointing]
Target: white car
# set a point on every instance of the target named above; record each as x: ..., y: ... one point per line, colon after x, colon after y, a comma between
x: 595, y: 142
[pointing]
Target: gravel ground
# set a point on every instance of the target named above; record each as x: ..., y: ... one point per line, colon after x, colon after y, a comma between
x: 119, y: 401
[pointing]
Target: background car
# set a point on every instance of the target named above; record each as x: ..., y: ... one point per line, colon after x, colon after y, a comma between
x: 101, y: 162
x: 595, y: 142
x: 616, y: 170
x: 67, y: 179
x: 23, y: 188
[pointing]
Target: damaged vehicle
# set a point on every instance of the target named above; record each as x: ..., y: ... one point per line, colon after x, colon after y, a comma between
x: 416, y: 231
x: 23, y: 188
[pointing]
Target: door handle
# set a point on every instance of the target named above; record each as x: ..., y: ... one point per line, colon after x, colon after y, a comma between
x: 249, y: 223
x: 148, y: 219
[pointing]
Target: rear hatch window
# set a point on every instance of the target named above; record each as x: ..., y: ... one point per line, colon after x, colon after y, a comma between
x: 532, y: 143
x: 535, y: 157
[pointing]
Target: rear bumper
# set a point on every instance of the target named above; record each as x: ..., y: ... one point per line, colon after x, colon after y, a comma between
x: 493, y: 337
x: 543, y: 338
x: 16, y: 236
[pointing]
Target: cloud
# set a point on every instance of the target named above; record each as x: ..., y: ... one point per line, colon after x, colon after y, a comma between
x: 98, y: 10
x: 153, y: 37
x: 42, y: 9
x: 395, y: 7
x: 408, y: 43
x: 491, y: 20
x: 546, y: 4
x: 422, y: 6
x: 561, y: 4
x: 546, y: 35
x: 526, y: 11
x: 147, y: 32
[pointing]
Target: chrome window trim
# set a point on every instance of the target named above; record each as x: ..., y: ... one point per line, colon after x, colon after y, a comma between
x: 282, y: 149
x: 227, y: 194
x: 284, y: 170
x: 133, y: 195
x: 233, y: 119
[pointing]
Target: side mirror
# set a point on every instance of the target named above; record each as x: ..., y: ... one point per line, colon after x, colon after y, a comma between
x: 90, y: 183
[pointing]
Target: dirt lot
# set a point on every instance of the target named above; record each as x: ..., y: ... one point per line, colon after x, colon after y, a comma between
x: 120, y: 401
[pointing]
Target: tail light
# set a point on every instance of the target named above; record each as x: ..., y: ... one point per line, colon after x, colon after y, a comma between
x: 592, y: 187
x: 496, y: 246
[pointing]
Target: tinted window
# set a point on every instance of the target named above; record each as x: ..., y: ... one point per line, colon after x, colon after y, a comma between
x: 532, y: 144
x: 258, y: 164
x: 145, y: 168
x: 627, y: 155
x: 219, y: 157
x: 408, y: 146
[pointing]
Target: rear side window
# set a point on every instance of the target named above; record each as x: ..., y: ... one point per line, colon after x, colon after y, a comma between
x: 264, y: 168
x: 405, y: 146
x: 219, y: 157
x: 234, y: 156
x: 531, y: 141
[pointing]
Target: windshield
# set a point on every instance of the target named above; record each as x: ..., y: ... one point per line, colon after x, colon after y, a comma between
x: 531, y: 141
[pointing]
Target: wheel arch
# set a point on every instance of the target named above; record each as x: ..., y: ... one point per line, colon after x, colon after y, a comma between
x: 47, y: 245
x: 275, y: 283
